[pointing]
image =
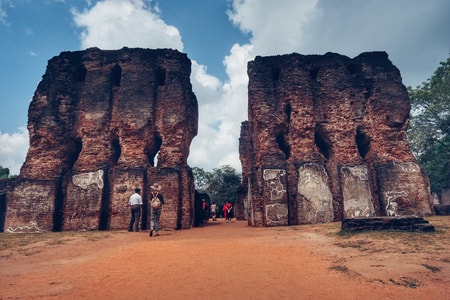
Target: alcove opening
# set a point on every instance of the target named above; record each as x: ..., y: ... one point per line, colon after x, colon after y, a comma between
x: 354, y: 68
x: 363, y: 143
x: 74, y: 147
x: 161, y: 76
x: 116, y: 75
x: 116, y: 150
x: 323, y: 143
x: 80, y: 73
x: 153, y: 150
x: 314, y: 73
x: 276, y: 73
x: 283, y: 145
x: 288, y: 111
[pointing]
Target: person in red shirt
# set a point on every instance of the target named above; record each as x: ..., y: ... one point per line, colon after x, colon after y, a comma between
x: 205, y: 213
x: 227, y: 208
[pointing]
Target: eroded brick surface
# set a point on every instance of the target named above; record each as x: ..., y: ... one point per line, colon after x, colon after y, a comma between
x: 102, y: 123
x: 330, y: 131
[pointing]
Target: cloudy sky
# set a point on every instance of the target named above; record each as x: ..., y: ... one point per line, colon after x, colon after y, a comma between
x: 220, y: 37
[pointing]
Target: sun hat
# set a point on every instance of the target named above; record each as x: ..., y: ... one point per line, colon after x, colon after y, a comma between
x: 156, y: 187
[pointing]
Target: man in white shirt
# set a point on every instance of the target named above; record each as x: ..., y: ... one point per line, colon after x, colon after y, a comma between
x: 135, y: 203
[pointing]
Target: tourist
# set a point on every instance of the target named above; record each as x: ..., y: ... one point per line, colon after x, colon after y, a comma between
x: 204, y: 210
x: 135, y: 203
x: 156, y: 211
x: 213, y: 209
x: 227, y: 211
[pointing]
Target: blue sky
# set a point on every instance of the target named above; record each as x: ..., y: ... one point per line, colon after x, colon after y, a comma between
x: 220, y: 36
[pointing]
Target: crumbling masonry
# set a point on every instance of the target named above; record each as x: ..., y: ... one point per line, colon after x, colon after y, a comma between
x: 326, y: 140
x: 102, y: 123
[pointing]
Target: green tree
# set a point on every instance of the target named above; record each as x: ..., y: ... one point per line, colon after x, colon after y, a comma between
x: 201, y: 179
x: 221, y: 184
x: 4, y: 172
x: 429, y: 130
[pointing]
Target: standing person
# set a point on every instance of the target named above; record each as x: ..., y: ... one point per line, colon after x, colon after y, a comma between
x: 205, y: 213
x: 135, y: 203
x: 213, y: 209
x: 228, y: 206
x: 224, y: 209
x: 156, y: 210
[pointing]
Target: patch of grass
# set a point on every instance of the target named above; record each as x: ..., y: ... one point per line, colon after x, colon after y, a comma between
x: 379, y: 281
x: 446, y: 260
x: 404, y: 242
x: 15, y: 240
x: 30, y: 252
x: 11, y: 240
x: 406, y: 281
x: 58, y: 241
x: 339, y: 268
x: 353, y: 244
x: 432, y: 268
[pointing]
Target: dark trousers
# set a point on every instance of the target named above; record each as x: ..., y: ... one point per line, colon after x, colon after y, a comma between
x: 154, y: 222
x: 135, y: 217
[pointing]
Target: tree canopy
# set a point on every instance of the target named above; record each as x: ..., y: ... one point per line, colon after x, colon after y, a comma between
x: 221, y: 184
x: 4, y: 172
x: 429, y: 130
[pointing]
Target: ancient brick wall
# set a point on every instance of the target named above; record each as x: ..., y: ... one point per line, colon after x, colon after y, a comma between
x: 5, y: 186
x: 326, y: 140
x: 102, y: 123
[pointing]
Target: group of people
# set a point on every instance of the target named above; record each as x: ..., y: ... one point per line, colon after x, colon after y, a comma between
x: 227, y: 211
x: 136, y: 203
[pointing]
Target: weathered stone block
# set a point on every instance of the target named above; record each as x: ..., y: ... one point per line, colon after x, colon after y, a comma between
x: 356, y: 192
x: 32, y: 206
x: 317, y: 204
x: 403, y: 189
x: 276, y: 211
x: 403, y: 223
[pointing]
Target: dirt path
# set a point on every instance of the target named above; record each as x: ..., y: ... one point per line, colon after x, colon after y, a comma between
x: 232, y: 261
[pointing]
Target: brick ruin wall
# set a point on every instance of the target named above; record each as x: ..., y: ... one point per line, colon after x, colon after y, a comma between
x: 326, y: 140
x: 102, y: 123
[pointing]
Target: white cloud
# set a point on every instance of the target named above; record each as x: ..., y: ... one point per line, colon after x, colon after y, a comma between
x: 220, y: 115
x: 113, y: 24
x: 3, y: 13
x: 414, y: 33
x: 13, y: 149
x: 276, y: 27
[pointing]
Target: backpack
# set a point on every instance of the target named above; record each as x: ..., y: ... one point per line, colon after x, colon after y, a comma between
x: 155, y: 203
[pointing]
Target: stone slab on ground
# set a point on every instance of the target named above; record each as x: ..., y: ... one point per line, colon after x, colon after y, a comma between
x: 408, y: 223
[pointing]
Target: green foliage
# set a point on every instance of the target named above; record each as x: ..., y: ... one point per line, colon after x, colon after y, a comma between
x: 201, y: 178
x: 429, y: 130
x: 221, y: 184
x: 4, y: 172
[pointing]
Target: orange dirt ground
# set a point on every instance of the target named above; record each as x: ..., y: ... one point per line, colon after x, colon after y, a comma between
x: 232, y: 261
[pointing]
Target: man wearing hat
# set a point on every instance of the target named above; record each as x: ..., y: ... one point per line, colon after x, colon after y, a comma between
x: 156, y: 211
